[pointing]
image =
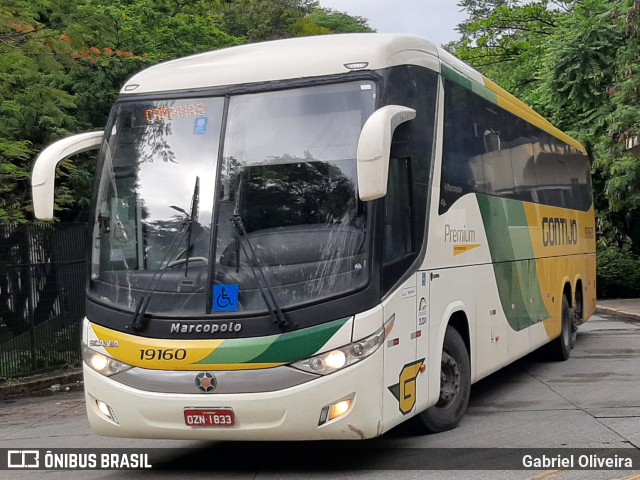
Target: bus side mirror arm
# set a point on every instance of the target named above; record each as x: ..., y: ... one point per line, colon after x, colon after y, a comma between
x: 374, y: 149
x: 44, y: 169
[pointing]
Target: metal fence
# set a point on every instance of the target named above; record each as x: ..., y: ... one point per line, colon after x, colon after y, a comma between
x: 42, y: 281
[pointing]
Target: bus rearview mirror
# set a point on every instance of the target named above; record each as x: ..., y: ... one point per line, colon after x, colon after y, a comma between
x: 374, y: 148
x: 44, y: 170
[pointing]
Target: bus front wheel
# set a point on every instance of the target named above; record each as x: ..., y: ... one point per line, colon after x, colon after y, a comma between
x: 455, y: 386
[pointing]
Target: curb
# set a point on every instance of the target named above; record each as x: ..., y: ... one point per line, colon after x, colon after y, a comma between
x: 43, y: 384
x: 617, y: 313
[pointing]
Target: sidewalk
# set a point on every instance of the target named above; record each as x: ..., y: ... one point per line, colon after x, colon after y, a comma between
x: 621, y: 308
x: 71, y: 379
x: 42, y: 384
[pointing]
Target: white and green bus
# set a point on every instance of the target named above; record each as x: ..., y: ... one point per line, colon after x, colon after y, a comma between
x: 320, y: 238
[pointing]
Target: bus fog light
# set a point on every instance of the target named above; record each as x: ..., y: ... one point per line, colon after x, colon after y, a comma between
x: 339, y: 409
x: 104, y: 408
x: 107, y: 411
x: 335, y: 410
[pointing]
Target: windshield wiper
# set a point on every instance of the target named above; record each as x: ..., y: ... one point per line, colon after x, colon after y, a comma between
x: 191, y: 218
x: 137, y: 323
x: 195, y: 203
x: 265, y: 290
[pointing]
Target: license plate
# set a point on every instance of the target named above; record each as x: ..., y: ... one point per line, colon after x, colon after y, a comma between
x: 209, y: 417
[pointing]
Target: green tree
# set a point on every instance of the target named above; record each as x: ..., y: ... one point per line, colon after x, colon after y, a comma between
x: 339, y: 22
x: 260, y: 20
x: 33, y: 108
x: 618, y: 169
x: 62, y: 65
x: 507, y: 39
x: 624, y: 119
x: 579, y: 65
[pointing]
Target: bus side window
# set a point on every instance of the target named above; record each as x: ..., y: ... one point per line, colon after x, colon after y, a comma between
x: 398, y: 245
x: 398, y: 233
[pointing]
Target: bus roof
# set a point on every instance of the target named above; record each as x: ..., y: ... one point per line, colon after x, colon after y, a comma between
x: 285, y: 59
x: 307, y: 57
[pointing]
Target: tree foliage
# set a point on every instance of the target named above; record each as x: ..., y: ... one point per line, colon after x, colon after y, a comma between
x: 506, y: 39
x: 62, y: 64
x: 38, y: 103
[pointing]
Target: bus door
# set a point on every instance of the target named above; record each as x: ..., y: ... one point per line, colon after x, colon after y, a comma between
x: 400, y: 248
x: 400, y: 366
x: 423, y: 337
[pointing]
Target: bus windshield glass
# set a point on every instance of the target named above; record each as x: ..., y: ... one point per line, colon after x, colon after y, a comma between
x: 206, y: 219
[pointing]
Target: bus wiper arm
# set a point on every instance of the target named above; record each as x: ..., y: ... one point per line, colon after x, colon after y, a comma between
x: 267, y: 293
x: 137, y: 323
x: 195, y: 202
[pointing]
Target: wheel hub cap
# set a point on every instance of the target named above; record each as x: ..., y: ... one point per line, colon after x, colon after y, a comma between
x: 449, y: 379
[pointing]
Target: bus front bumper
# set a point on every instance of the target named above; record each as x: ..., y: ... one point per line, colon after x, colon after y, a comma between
x: 295, y: 413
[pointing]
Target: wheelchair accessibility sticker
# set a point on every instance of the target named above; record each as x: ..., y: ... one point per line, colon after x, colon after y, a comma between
x: 225, y: 298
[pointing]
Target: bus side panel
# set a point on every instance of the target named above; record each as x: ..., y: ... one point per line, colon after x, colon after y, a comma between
x: 536, y: 251
x: 458, y: 291
x: 564, y: 245
x: 505, y: 263
x: 462, y: 280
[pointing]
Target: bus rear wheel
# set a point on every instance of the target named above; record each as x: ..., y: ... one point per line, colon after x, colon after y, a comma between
x: 560, y: 348
x: 455, y: 386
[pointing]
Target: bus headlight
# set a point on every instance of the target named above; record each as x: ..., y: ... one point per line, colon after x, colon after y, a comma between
x: 101, y: 363
x: 334, y: 360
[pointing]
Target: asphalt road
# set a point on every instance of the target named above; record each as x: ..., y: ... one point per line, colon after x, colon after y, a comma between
x: 590, y: 401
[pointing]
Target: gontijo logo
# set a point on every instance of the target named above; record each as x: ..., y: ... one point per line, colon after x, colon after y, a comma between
x: 559, y: 231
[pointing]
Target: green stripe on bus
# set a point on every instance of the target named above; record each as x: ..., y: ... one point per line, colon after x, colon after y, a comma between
x: 284, y: 348
x: 477, y: 88
x: 505, y: 222
x: 507, y: 231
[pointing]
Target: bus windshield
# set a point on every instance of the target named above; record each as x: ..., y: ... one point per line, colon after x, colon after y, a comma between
x: 206, y: 216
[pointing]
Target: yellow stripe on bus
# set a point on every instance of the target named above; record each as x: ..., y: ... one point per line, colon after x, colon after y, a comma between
x: 517, y: 107
x: 156, y: 354
x: 560, y: 239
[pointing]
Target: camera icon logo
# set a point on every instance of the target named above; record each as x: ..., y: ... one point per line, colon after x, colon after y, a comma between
x: 23, y: 459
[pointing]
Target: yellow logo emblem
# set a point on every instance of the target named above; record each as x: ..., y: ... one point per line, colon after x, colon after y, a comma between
x: 405, y: 390
x: 460, y: 249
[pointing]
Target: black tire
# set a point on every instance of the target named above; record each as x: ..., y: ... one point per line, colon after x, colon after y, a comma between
x: 455, y: 386
x: 560, y: 348
x: 577, y: 316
